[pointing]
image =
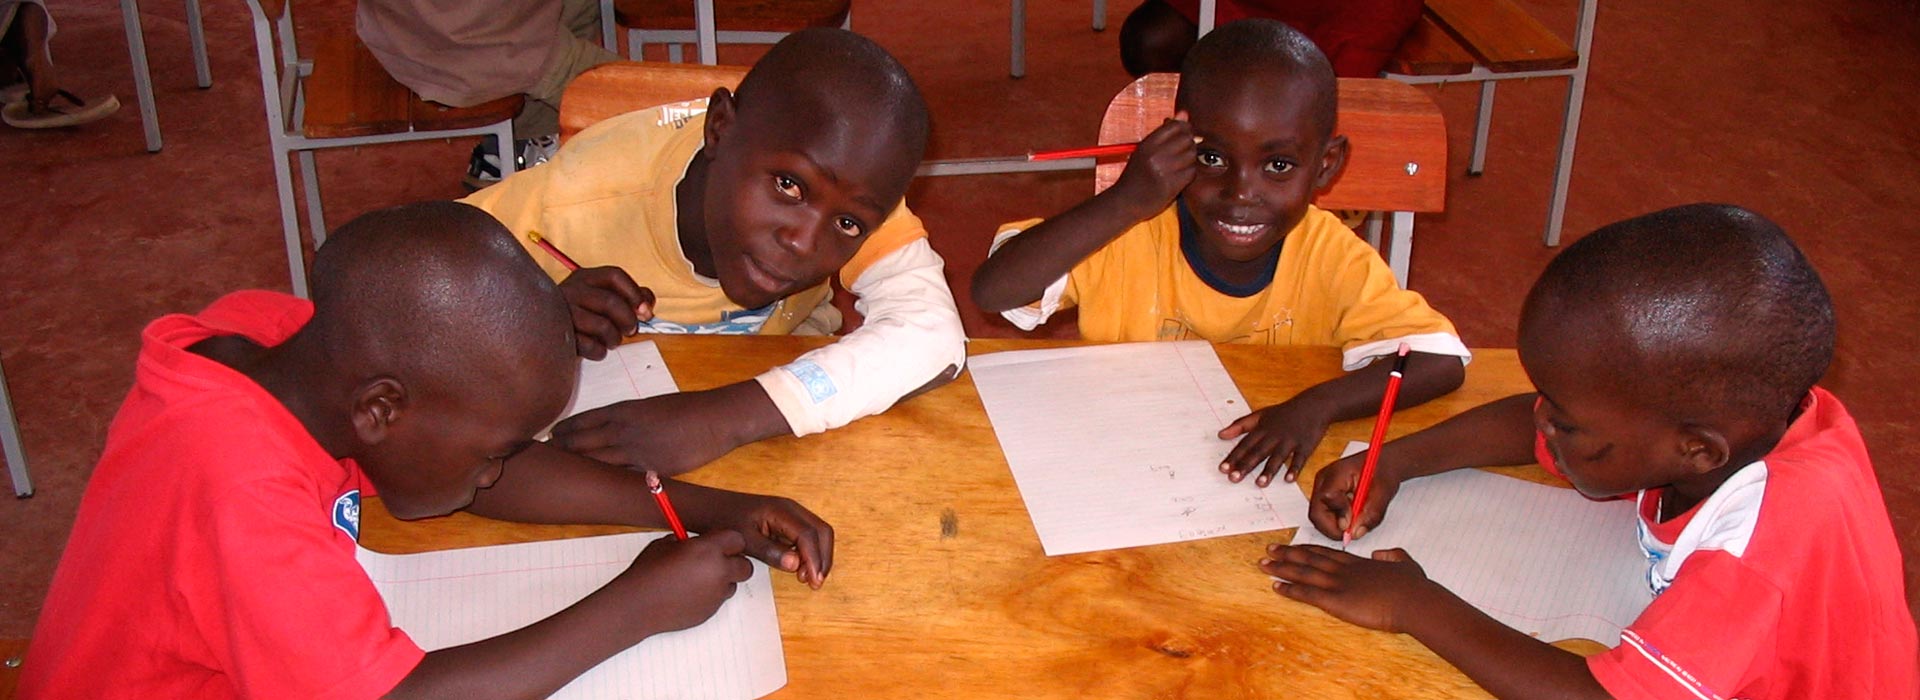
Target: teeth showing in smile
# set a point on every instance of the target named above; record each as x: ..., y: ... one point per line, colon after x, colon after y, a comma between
x: 1239, y: 230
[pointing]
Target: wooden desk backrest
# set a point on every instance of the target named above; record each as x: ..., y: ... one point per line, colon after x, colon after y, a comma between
x: 617, y: 88
x: 1397, y: 137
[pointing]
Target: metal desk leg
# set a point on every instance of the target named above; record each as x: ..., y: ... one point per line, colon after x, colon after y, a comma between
x: 142, y: 79
x: 10, y: 440
x: 703, y: 26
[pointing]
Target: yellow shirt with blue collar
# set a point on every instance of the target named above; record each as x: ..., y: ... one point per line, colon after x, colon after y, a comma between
x: 1327, y: 288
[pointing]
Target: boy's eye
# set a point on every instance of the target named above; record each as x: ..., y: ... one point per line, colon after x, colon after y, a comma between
x: 787, y: 186
x: 1279, y: 167
x: 848, y: 225
x: 1210, y: 159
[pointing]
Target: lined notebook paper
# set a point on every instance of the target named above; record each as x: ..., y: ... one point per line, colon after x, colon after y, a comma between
x: 631, y: 371
x: 453, y: 597
x: 1116, y: 445
x: 1542, y: 560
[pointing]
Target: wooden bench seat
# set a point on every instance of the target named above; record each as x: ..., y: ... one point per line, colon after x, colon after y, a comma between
x: 1429, y: 50
x: 735, y: 15
x: 1497, y: 33
x: 350, y: 94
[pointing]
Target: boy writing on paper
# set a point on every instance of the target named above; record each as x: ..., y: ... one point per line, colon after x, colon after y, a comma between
x: 727, y: 215
x: 1210, y: 233
x: 213, y: 555
x: 1676, y: 356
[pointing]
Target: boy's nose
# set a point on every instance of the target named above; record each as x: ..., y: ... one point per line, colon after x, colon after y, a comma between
x: 801, y: 236
x: 1240, y: 185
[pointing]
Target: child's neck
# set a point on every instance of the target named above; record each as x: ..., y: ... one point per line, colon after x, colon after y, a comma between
x: 689, y: 199
x: 286, y: 372
x: 1234, y: 278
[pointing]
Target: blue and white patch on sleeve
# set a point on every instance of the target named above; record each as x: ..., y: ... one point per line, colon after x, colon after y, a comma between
x: 346, y: 513
x: 819, y: 385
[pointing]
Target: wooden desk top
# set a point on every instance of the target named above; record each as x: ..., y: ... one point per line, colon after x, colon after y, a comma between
x: 939, y: 585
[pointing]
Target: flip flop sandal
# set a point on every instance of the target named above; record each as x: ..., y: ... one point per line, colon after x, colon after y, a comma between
x: 21, y: 114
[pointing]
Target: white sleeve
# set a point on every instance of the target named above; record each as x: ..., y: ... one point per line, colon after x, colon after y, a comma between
x: 1432, y: 343
x: 1029, y: 317
x: 911, y: 335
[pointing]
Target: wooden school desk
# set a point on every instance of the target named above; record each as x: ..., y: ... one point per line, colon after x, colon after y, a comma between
x: 939, y: 587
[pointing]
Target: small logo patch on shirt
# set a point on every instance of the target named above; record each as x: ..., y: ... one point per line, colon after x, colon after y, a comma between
x: 819, y: 386
x: 346, y: 513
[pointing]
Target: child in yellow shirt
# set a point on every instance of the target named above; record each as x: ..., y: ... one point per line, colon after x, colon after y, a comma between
x: 1209, y: 234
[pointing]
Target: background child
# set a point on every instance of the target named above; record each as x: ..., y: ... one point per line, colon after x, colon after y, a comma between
x: 732, y: 212
x: 1209, y: 234
x: 213, y: 556
x: 1675, y: 356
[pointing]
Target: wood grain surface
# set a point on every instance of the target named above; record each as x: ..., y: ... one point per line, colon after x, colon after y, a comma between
x: 940, y: 588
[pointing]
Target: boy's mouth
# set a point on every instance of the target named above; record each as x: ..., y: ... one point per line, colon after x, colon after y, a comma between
x: 1239, y: 234
x: 764, y: 275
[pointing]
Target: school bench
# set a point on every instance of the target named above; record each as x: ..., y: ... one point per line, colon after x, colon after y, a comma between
x: 339, y: 96
x: 1487, y: 41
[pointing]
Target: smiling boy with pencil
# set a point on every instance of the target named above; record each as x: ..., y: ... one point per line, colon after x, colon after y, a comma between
x: 1210, y: 233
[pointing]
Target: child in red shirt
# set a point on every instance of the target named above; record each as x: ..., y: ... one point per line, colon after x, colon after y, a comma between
x: 213, y: 555
x: 1675, y: 356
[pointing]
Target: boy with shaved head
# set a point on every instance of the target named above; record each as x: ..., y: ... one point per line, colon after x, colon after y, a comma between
x: 727, y: 215
x: 1210, y: 234
x: 213, y: 555
x: 1675, y: 357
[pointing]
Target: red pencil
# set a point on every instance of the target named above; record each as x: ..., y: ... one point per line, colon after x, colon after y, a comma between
x: 666, y: 506
x: 541, y: 241
x: 1117, y: 149
x: 1373, y: 446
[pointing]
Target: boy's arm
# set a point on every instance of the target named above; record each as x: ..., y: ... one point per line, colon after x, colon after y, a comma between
x: 911, y: 340
x: 545, y: 484
x: 1390, y: 592
x: 1286, y: 434
x: 1496, y: 433
x: 1017, y: 273
x: 671, y: 585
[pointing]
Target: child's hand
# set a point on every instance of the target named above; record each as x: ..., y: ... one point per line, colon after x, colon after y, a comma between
x: 1375, y: 593
x: 1161, y: 166
x: 1283, y: 435
x: 1333, y: 490
x: 683, y: 583
x: 670, y: 433
x: 778, y: 531
x: 607, y: 306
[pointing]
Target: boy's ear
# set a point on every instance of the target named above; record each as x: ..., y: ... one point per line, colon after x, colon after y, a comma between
x: 720, y: 113
x: 377, y: 406
x: 1703, y: 449
x: 1332, y: 161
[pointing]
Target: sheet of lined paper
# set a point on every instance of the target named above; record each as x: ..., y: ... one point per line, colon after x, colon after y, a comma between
x: 631, y: 371
x: 1116, y: 445
x: 453, y: 597
x: 1543, y: 560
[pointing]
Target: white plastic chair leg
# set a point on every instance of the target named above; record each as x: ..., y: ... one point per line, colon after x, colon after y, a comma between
x: 1482, y: 121
x: 10, y: 443
x: 142, y: 78
x: 202, y: 75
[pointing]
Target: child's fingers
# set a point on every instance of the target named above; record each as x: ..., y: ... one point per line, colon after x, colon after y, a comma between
x: 1297, y: 573
x: 1254, y: 449
x: 1283, y: 456
x: 644, y: 309
x: 1302, y: 452
x: 588, y: 347
x: 1240, y: 426
x: 1395, y: 554
x: 587, y: 420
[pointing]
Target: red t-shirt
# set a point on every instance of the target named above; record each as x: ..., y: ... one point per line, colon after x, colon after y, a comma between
x: 213, y: 555
x: 1785, y: 583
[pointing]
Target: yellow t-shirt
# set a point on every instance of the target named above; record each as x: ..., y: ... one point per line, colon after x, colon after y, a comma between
x: 1329, y: 288
x: 607, y: 198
